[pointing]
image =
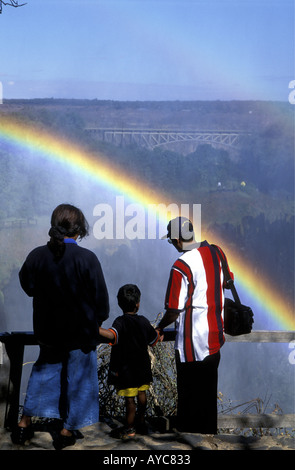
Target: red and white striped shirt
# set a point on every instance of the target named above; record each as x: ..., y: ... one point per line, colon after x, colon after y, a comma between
x: 195, y: 290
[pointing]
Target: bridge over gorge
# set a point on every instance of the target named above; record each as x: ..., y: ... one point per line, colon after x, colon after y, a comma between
x: 152, y: 138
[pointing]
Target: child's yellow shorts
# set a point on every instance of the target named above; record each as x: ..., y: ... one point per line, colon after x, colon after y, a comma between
x: 132, y: 392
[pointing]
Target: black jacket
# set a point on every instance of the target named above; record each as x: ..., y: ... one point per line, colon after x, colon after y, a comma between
x: 70, y: 298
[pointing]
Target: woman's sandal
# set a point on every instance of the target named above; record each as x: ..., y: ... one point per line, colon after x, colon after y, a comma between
x: 60, y: 442
x: 20, y: 434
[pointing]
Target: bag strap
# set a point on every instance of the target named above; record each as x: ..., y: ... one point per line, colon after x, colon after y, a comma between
x: 228, y: 280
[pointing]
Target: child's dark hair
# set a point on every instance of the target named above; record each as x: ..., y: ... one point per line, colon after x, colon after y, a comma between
x: 128, y: 297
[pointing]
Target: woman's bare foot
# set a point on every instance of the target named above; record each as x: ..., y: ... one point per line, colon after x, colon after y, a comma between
x: 25, y: 421
x: 66, y: 432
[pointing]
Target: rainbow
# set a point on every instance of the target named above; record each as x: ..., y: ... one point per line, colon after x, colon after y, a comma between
x: 96, y: 167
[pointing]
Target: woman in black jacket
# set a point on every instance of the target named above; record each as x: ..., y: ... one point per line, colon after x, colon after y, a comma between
x: 70, y: 302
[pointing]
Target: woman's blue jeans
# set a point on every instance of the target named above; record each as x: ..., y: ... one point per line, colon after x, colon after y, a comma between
x: 64, y: 385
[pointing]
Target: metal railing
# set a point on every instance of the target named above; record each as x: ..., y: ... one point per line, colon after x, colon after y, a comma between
x: 15, y: 343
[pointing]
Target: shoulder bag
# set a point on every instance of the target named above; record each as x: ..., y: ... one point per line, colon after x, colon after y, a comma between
x: 238, y: 318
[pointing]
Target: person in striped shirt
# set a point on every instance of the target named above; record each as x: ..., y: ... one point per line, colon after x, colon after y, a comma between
x: 194, y: 301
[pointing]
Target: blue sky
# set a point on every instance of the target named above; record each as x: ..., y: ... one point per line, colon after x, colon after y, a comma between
x: 148, y: 49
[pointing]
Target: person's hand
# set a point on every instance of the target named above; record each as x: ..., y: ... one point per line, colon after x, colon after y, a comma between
x: 161, y: 334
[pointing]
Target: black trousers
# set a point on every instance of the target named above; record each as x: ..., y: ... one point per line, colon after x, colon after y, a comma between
x: 197, y: 395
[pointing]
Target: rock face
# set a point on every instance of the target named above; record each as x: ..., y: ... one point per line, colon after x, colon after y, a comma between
x: 97, y: 438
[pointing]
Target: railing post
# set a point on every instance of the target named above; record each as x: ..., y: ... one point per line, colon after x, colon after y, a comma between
x: 15, y: 352
x: 14, y: 345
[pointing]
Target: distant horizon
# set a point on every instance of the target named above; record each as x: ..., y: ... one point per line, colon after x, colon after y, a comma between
x: 5, y: 100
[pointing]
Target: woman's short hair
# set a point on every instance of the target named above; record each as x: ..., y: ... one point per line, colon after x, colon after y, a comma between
x: 66, y: 221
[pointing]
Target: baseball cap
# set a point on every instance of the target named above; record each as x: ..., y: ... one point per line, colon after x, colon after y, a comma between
x: 180, y: 228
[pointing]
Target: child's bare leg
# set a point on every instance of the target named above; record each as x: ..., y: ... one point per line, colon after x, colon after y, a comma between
x: 130, y: 411
x: 142, y: 402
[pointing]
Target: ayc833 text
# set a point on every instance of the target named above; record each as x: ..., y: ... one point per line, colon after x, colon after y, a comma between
x: 168, y: 459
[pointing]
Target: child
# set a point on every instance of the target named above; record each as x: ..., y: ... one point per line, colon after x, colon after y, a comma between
x: 130, y: 365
